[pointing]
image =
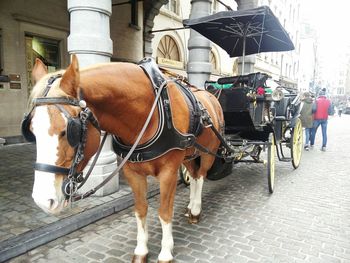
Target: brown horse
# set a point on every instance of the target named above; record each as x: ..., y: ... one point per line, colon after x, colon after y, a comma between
x: 120, y: 96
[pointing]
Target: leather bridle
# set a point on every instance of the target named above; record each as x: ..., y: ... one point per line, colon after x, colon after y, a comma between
x: 74, y: 178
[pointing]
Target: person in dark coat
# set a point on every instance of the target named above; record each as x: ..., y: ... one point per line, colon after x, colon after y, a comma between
x: 306, y: 117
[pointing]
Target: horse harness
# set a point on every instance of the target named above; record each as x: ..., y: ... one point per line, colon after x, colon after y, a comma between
x: 167, y: 137
x: 76, y: 132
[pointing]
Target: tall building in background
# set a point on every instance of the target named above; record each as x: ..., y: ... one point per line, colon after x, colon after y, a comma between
x: 308, y: 62
x: 333, y: 70
x: 283, y: 66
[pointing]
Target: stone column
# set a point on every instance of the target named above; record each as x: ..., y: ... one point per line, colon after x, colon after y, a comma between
x: 90, y: 40
x: 249, y: 63
x: 199, y: 66
x: 246, y: 4
x: 89, y: 35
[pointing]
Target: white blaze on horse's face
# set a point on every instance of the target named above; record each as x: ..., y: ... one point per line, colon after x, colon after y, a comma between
x: 47, y: 192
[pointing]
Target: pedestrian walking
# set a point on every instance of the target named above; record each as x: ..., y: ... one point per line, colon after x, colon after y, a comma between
x: 321, y: 111
x: 340, y: 108
x: 306, y: 117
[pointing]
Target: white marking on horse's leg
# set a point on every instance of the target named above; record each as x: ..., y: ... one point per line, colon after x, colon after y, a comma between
x: 192, y: 192
x: 167, y: 241
x: 44, y: 191
x: 142, y: 236
x: 197, y: 201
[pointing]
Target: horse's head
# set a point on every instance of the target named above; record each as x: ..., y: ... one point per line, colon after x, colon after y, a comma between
x: 65, y: 131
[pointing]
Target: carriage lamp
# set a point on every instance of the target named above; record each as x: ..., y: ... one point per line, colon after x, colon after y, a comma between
x: 277, y: 94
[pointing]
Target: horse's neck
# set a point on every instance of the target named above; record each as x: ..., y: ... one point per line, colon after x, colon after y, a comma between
x: 120, y: 96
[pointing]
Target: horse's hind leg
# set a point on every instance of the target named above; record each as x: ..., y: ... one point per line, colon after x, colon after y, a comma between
x: 168, y: 182
x: 192, y: 168
x: 197, y: 187
x: 196, y: 205
x: 138, y: 184
x: 196, y: 184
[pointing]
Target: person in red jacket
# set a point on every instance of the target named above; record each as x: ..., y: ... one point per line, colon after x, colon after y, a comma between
x: 323, y: 107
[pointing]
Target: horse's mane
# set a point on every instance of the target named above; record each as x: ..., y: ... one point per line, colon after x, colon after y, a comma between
x: 40, y: 86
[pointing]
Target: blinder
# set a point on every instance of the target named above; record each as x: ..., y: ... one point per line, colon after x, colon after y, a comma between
x: 25, y: 128
x: 73, y: 129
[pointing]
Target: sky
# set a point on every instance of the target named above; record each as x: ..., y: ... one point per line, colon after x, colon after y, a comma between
x: 331, y: 20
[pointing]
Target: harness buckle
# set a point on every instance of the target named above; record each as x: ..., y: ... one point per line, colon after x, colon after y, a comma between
x: 85, y: 114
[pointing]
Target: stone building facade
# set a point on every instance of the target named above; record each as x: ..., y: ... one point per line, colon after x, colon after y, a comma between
x: 34, y: 28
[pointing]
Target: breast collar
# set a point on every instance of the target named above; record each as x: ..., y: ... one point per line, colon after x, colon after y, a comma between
x: 167, y: 137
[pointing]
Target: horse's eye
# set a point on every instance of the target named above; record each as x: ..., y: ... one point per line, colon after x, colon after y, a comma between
x: 63, y: 133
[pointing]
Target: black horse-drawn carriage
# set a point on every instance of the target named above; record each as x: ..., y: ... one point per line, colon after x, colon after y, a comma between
x: 259, y: 117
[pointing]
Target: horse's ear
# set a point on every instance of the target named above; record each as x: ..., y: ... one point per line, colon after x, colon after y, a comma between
x: 39, y: 70
x: 71, y: 78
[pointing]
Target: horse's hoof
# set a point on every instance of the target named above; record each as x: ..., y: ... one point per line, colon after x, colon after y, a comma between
x: 192, y: 219
x: 187, y: 212
x: 139, y: 259
x: 162, y: 261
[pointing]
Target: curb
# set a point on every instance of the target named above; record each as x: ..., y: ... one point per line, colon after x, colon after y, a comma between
x: 27, y: 241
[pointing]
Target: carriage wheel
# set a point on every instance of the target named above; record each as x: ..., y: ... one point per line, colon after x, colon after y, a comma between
x: 184, y: 175
x: 271, y: 152
x: 296, y: 143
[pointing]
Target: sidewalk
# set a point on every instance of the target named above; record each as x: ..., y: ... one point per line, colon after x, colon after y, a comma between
x: 23, y: 225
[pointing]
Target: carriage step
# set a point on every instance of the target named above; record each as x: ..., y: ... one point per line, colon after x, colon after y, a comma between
x: 284, y: 159
x: 280, y: 118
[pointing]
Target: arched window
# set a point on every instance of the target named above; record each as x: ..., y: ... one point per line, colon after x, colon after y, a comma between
x: 168, y: 49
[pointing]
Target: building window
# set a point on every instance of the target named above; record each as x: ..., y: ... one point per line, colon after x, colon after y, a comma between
x: 47, y: 50
x: 168, y: 48
x: 168, y: 53
x: 172, y: 6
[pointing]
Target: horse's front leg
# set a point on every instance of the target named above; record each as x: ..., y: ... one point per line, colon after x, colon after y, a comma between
x: 168, y: 182
x: 138, y: 184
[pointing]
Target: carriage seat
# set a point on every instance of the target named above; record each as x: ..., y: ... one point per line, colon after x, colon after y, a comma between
x: 252, y: 81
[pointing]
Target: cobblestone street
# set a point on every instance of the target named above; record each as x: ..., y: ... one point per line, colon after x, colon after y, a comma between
x: 307, y: 219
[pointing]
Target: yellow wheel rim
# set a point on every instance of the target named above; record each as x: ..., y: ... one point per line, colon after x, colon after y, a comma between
x: 297, y: 143
x: 271, y: 163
